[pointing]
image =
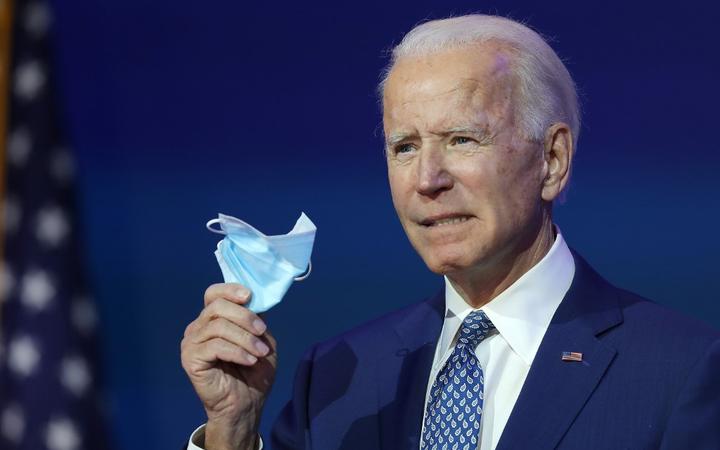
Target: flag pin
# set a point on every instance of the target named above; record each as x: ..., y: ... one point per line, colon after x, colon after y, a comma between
x: 572, y: 356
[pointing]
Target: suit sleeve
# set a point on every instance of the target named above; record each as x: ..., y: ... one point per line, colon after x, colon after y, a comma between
x: 695, y: 419
x: 291, y: 430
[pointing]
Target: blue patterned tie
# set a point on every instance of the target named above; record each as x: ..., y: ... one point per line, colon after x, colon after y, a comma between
x: 452, y: 419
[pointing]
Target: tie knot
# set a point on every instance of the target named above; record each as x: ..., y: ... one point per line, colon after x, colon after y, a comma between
x: 474, y: 329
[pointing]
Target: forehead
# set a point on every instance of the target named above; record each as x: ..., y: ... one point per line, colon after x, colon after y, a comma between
x: 477, y: 77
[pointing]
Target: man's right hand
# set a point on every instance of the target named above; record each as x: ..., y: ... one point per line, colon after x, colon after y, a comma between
x: 230, y: 359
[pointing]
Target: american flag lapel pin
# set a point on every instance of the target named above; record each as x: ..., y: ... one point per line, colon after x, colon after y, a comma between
x: 572, y: 356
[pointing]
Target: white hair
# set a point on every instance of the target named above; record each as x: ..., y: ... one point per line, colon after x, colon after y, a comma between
x: 547, y: 93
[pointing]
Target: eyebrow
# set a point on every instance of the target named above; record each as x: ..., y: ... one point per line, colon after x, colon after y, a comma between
x: 395, y: 138
x: 477, y: 131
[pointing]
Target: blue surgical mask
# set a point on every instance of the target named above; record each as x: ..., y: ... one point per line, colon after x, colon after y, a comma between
x: 266, y: 265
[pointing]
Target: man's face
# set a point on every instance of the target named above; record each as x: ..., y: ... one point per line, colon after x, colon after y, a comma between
x: 465, y: 183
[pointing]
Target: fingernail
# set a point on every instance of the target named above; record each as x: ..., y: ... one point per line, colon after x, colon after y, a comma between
x: 259, y: 326
x: 252, y: 359
x: 242, y: 292
x: 262, y: 348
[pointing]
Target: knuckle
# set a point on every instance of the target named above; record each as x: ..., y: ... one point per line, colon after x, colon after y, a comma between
x: 246, y: 337
x: 211, y: 311
x: 219, y: 327
x: 208, y: 291
x: 244, y: 314
x: 221, y: 346
x: 212, y: 292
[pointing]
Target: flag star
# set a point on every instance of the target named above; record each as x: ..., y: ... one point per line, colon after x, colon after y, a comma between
x: 62, y: 166
x: 83, y: 315
x: 23, y: 356
x: 37, y: 19
x: 52, y: 226
x: 7, y: 281
x: 75, y: 375
x: 12, y: 424
x: 30, y: 78
x: 37, y: 290
x: 61, y: 434
x: 18, y: 146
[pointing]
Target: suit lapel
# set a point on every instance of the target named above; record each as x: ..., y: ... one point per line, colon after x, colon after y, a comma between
x: 556, y: 390
x: 403, y: 375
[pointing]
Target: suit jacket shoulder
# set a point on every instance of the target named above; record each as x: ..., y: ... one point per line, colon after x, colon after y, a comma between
x: 645, y: 376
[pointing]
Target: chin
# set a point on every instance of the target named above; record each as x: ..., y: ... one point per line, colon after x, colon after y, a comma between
x: 446, y: 261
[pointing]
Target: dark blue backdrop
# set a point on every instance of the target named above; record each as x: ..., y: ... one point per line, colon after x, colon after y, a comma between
x: 179, y: 110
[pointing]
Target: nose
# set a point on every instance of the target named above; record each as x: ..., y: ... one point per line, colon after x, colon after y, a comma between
x: 433, y: 177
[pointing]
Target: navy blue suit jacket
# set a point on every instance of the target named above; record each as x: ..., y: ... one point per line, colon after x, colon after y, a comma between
x: 649, y: 378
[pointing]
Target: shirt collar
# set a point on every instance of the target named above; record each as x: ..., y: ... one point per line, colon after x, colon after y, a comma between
x: 522, y: 312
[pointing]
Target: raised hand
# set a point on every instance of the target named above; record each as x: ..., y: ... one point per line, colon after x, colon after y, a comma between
x: 230, y: 358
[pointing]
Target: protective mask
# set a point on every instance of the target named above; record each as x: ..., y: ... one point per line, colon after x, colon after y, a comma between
x: 267, y: 265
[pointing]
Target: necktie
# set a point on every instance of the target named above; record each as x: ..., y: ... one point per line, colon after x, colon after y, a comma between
x: 452, y: 418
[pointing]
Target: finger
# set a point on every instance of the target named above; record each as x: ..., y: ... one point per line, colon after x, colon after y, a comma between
x: 191, y: 328
x: 224, y: 329
x: 237, y: 314
x: 235, y: 292
x: 218, y: 349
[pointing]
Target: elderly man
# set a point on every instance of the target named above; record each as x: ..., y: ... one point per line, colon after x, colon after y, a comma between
x: 527, y: 347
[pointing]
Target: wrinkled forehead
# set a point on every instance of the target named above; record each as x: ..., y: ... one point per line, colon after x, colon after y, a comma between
x: 479, y: 76
x: 488, y: 61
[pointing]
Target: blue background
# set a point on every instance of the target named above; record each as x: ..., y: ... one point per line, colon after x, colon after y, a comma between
x: 180, y: 110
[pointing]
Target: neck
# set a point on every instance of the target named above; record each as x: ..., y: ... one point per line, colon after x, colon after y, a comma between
x: 484, y: 284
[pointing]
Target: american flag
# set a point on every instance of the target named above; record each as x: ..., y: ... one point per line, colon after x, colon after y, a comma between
x: 48, y: 372
x: 572, y: 356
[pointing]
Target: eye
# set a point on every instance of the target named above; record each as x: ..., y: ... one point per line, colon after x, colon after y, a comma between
x: 403, y: 148
x: 461, y: 140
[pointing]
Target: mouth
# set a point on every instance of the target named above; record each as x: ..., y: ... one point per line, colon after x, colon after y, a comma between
x: 444, y: 220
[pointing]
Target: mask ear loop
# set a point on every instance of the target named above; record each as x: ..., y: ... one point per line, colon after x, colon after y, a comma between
x: 306, y: 274
x: 210, y: 224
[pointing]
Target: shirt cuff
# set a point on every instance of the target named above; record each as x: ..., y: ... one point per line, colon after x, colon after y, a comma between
x: 197, y: 439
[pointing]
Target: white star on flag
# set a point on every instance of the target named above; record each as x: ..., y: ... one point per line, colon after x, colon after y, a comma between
x: 37, y: 19
x: 62, y: 435
x: 12, y: 423
x: 37, y: 289
x: 23, y: 356
x: 52, y: 226
x: 29, y: 80
x: 75, y: 375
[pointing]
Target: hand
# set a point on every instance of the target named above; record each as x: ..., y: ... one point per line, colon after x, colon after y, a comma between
x: 230, y: 359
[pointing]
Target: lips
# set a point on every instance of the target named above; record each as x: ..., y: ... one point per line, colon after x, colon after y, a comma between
x: 444, y: 220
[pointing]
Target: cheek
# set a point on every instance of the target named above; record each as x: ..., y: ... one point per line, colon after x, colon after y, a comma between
x: 398, y: 190
x: 499, y: 189
x: 521, y: 188
x: 520, y: 168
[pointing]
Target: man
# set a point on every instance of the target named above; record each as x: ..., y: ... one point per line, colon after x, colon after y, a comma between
x: 527, y: 347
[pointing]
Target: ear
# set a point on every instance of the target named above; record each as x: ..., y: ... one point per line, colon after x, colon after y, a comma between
x: 558, y: 160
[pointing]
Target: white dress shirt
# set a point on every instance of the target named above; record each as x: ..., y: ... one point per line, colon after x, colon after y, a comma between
x: 521, y: 315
